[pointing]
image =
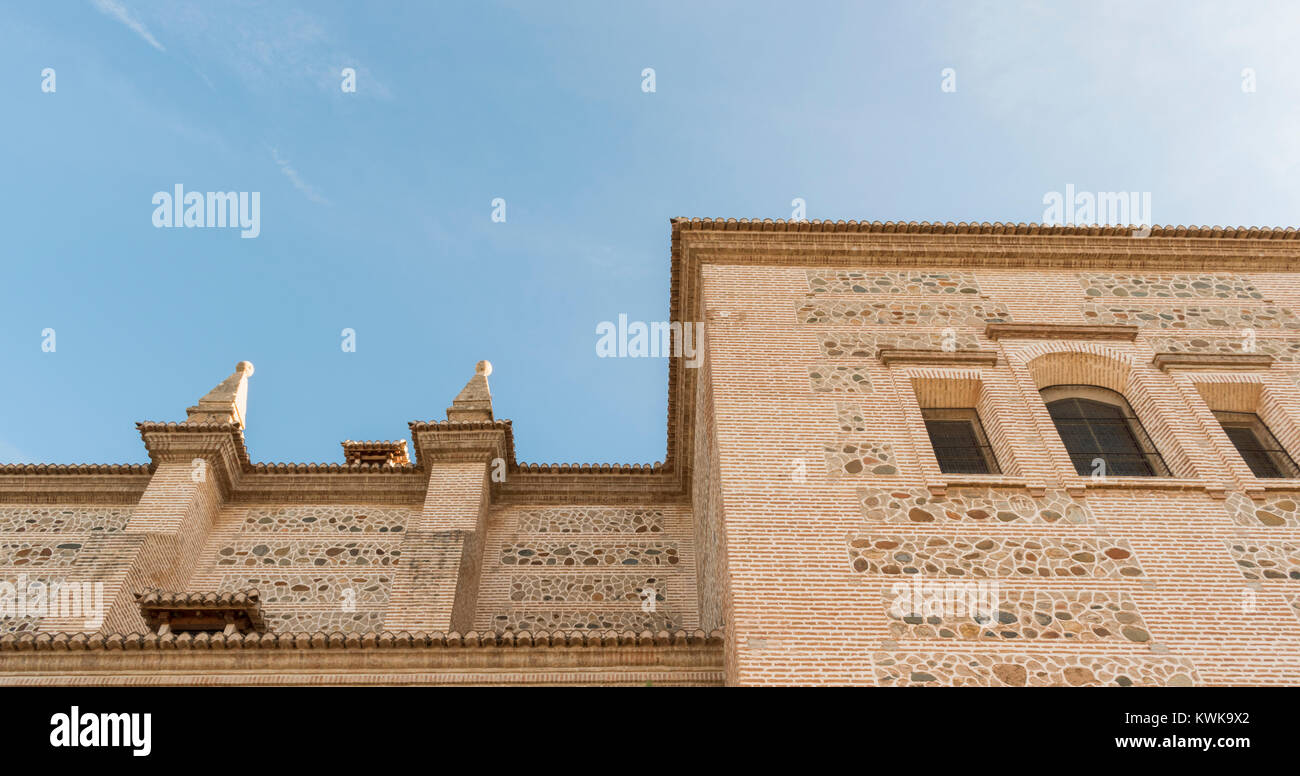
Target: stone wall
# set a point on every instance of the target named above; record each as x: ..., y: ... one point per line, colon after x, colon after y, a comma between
x: 44, y: 546
x: 582, y: 567
x: 316, y: 567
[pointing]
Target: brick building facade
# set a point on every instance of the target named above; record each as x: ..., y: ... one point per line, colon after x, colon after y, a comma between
x: 883, y: 412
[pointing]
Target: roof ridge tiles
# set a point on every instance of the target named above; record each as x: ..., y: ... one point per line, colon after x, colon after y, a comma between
x: 984, y: 227
x: 591, y: 468
x: 74, y: 468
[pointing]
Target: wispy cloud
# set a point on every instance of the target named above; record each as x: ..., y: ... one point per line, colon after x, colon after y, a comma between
x: 269, y: 46
x: 118, y: 11
x: 296, y: 179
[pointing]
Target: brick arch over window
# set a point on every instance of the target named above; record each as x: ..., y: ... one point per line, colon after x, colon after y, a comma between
x: 1154, y: 400
x: 1081, y: 368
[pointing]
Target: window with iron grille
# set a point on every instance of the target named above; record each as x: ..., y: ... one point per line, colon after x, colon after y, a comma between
x: 1258, y: 447
x: 959, y: 442
x: 1097, y: 424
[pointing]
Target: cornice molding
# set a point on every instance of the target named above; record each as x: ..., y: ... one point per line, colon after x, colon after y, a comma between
x: 665, y: 658
x: 1060, y: 331
x: 221, y: 444
x: 617, y: 486
x: 462, y: 441
x: 107, y: 485
x: 985, y: 246
x: 890, y: 356
x: 327, y: 486
x: 1167, y: 361
x: 977, y: 228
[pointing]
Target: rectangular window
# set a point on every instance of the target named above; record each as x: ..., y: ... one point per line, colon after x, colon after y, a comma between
x: 1257, y: 445
x: 959, y: 442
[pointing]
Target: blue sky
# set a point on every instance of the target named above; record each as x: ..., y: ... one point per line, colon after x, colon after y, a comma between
x: 376, y: 205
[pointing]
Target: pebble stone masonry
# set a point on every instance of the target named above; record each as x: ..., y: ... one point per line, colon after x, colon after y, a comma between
x: 798, y: 529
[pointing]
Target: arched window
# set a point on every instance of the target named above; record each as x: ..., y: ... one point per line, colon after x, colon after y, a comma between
x: 1097, y: 423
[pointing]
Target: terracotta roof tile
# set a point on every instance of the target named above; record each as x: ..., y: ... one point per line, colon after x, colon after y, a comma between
x: 55, y: 642
x: 964, y: 227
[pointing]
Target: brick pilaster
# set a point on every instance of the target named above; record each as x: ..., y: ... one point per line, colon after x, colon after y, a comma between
x: 436, y: 588
x: 195, y: 467
x: 437, y: 582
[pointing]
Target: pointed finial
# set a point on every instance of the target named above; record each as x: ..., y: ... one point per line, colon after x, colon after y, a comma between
x: 226, y: 403
x: 474, y: 402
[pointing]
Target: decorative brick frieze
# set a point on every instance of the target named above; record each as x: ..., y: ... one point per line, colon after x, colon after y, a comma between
x: 971, y: 505
x: 326, y: 519
x: 592, y: 520
x: 1275, y: 510
x: 612, y: 620
x: 309, y: 553
x: 313, y: 588
x: 53, y: 554
x: 1068, y: 615
x: 1153, y: 316
x: 587, y: 588
x: 1178, y: 286
x: 992, y: 557
x: 1266, y: 559
x: 861, y: 344
x: 1283, y: 349
x: 824, y: 378
x: 590, y: 553
x: 1020, y: 670
x: 858, y: 458
x: 62, y: 519
x: 876, y: 281
x: 901, y: 312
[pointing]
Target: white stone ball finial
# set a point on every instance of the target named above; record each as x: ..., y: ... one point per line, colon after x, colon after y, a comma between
x: 483, y: 368
x: 246, y: 367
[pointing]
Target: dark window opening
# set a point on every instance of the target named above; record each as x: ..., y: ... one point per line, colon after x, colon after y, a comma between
x: 1096, y: 424
x: 959, y: 442
x: 1258, y: 447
